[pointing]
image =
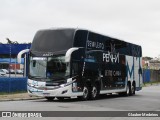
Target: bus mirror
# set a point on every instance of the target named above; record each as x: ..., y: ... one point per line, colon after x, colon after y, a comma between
x: 19, y: 56
x: 68, y: 54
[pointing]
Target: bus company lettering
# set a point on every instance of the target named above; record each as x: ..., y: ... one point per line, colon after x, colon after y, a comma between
x: 112, y: 73
x: 93, y: 44
x: 47, y: 54
x: 109, y: 57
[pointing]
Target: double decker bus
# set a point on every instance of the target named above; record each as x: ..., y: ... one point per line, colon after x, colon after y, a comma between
x: 68, y: 62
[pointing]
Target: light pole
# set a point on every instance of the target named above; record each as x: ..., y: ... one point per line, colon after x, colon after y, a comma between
x: 9, y: 42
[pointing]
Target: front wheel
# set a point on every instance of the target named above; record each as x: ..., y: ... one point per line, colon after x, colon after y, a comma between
x: 86, y: 93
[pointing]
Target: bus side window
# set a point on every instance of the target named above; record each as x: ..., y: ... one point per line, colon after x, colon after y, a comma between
x: 74, y: 68
x: 34, y: 63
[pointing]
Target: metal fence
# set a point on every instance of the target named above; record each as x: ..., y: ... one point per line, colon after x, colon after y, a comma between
x: 13, y: 84
x: 151, y: 75
x: 12, y: 76
x: 8, y: 60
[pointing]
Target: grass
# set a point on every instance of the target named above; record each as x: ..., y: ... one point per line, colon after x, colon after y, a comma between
x: 9, y: 93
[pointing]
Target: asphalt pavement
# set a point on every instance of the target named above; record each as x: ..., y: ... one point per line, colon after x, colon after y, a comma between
x: 148, y: 99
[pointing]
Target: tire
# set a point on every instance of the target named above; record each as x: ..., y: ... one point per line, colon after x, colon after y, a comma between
x: 95, y: 92
x: 50, y: 98
x: 86, y: 93
x: 133, y: 89
x: 128, y: 91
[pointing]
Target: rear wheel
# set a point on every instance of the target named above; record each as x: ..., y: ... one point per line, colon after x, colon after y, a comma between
x: 50, y: 98
x: 95, y: 92
x: 127, y: 92
x: 133, y: 89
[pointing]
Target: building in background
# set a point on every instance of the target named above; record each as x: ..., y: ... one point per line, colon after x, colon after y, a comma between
x: 151, y: 63
x: 8, y: 55
x: 154, y: 64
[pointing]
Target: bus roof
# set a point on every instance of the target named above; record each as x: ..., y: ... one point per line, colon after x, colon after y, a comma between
x: 59, y: 40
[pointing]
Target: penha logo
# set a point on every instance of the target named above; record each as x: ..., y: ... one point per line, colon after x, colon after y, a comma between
x: 109, y: 57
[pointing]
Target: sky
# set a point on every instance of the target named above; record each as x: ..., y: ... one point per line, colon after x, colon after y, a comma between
x: 135, y: 21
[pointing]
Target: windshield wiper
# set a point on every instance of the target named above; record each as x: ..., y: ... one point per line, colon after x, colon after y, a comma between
x: 35, y: 76
x: 56, y: 77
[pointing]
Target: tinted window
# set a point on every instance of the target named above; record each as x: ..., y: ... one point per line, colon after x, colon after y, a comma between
x: 53, y: 40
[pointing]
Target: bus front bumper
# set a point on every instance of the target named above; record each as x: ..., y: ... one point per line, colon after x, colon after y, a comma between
x: 57, y: 91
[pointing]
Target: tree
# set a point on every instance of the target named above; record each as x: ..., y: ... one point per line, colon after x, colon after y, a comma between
x: 8, y: 41
x: 11, y: 42
x: 146, y: 58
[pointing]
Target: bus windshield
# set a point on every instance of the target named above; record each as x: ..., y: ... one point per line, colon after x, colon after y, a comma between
x: 53, y: 68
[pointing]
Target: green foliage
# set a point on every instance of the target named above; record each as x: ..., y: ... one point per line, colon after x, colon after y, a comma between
x: 11, y: 42
x: 14, y: 42
x: 147, y: 58
x: 9, y: 93
x: 151, y: 83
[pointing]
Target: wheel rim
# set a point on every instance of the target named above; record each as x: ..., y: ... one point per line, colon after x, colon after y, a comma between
x: 94, y: 92
x: 127, y: 89
x: 85, y: 92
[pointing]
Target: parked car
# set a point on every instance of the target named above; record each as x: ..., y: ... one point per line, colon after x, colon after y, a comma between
x: 2, y: 73
x: 12, y: 71
x: 5, y: 70
x: 19, y: 71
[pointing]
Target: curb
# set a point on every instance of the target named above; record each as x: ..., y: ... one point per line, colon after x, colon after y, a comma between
x: 20, y: 99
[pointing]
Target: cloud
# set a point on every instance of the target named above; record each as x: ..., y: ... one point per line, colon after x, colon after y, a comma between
x: 135, y: 21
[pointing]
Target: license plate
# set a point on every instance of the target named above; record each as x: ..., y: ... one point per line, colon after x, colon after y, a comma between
x: 46, y: 94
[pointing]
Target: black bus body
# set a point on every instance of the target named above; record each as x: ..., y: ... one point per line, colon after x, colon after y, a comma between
x: 68, y: 62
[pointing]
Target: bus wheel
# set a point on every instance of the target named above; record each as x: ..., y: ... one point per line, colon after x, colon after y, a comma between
x: 50, y: 98
x: 127, y: 92
x: 133, y: 89
x: 86, y: 93
x: 95, y: 92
